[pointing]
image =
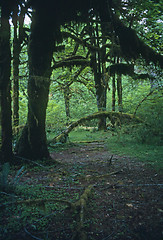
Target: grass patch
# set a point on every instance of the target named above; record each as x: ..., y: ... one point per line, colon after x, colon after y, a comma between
x: 124, y: 145
x: 91, y: 135
x: 150, y: 154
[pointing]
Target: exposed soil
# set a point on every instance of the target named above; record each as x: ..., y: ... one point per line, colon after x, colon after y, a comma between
x: 126, y: 200
x: 124, y: 205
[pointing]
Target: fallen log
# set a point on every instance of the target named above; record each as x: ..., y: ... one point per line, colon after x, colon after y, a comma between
x: 113, y: 116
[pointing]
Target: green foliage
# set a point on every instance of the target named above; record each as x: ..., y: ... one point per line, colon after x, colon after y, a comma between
x: 55, y: 118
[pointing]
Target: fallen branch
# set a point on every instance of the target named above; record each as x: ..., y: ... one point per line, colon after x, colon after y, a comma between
x: 38, y: 202
x: 80, y: 206
x: 123, y: 117
x: 103, y: 176
x: 33, y: 162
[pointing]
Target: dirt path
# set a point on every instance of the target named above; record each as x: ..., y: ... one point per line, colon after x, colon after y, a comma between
x: 124, y: 205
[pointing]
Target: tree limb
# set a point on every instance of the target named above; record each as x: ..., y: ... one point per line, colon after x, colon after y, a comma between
x: 111, y: 115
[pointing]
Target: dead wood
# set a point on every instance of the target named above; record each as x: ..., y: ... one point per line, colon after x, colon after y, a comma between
x: 37, y: 202
x: 80, y: 207
x: 93, y: 177
x: 113, y: 116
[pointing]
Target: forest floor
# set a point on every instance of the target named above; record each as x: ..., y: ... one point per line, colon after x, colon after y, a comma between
x: 125, y: 201
x: 127, y: 197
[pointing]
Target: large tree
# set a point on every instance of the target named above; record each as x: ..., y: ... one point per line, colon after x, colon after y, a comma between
x: 32, y: 143
x: 5, y: 85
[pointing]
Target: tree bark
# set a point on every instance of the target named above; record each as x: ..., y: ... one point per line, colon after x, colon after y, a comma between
x: 119, y: 92
x: 66, y: 91
x: 5, y: 86
x: 113, y: 93
x: 16, y: 52
x: 33, y: 142
x: 97, y: 61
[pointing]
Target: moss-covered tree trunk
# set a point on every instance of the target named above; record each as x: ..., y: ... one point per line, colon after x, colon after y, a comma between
x: 66, y: 92
x: 101, y: 99
x: 113, y: 93
x: 5, y: 85
x: 33, y: 143
x: 119, y: 92
x: 97, y: 64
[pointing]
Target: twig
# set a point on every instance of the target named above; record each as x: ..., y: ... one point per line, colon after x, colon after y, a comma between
x: 26, y: 159
x: 11, y: 195
x: 109, y: 161
x: 30, y: 234
x: 105, y: 175
x: 150, y: 93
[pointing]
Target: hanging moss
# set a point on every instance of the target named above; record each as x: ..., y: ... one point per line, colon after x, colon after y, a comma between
x: 150, y: 55
x: 115, y: 51
x: 132, y: 47
x: 121, y: 68
x: 128, y: 40
x: 125, y: 69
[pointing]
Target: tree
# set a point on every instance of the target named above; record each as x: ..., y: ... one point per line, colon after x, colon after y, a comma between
x: 32, y: 143
x: 5, y: 85
x: 19, y: 36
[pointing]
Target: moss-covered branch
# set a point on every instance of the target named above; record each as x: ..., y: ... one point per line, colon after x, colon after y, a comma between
x: 133, y: 47
x: 71, y: 62
x: 125, y: 69
x: 113, y: 116
x: 80, y: 41
x: 80, y: 207
x: 37, y: 202
x: 85, y: 43
x: 121, y: 68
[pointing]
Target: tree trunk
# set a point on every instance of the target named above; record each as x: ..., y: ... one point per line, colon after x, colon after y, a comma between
x: 100, y: 80
x: 16, y: 52
x: 33, y: 142
x: 5, y: 86
x: 119, y: 92
x: 113, y: 93
x: 101, y: 100
x: 66, y: 90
